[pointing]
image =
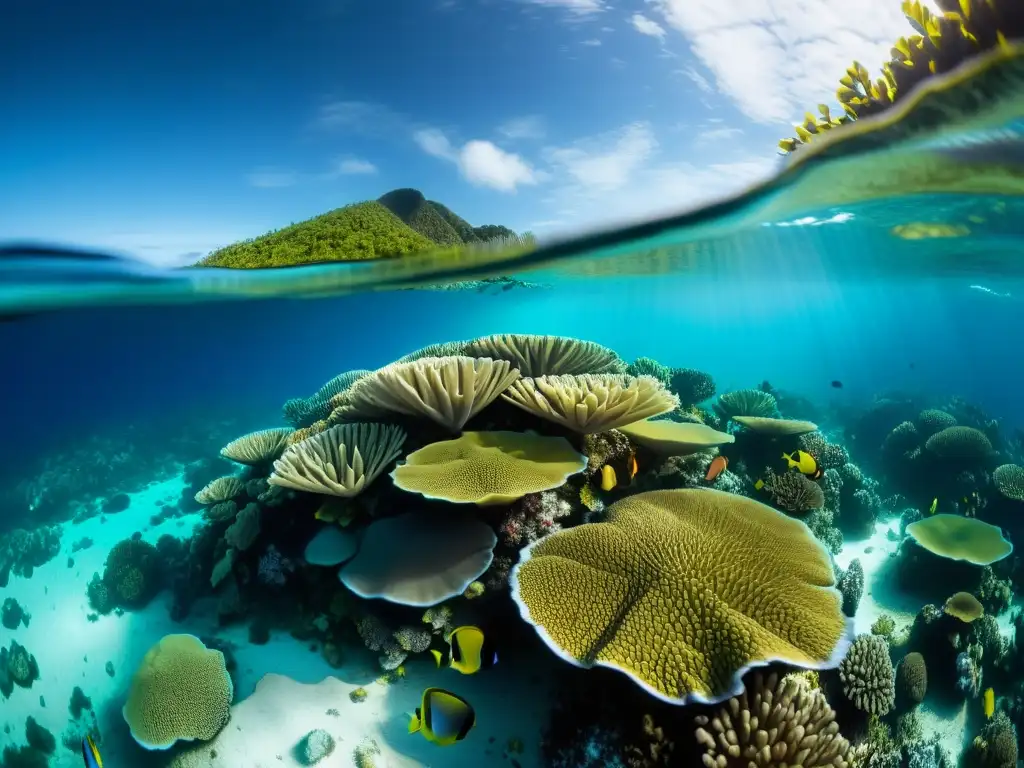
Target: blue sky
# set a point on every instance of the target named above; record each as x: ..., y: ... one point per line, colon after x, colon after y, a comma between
x: 167, y: 129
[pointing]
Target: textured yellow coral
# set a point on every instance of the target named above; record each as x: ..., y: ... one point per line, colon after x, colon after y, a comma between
x: 181, y: 691
x: 489, y: 467
x: 683, y: 590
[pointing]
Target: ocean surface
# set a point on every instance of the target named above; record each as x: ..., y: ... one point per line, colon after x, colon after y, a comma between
x: 117, y: 378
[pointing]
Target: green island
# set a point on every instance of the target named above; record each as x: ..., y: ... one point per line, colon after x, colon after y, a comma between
x: 399, y: 223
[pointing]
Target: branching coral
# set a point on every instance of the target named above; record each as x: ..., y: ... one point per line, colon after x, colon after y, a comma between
x: 867, y: 675
x: 828, y: 455
x: 794, y: 492
x: 304, y: 411
x: 532, y: 517
x: 772, y: 724
x: 691, y: 386
x: 911, y: 681
x: 851, y: 585
x: 547, y: 355
x: 646, y: 366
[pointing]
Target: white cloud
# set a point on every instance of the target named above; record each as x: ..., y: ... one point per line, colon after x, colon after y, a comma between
x: 354, y: 166
x: 360, y: 117
x: 271, y: 178
x: 626, y: 176
x: 774, y: 58
x: 719, y: 134
x: 528, y: 127
x: 646, y: 26
x: 697, y: 78
x: 594, y: 42
x: 481, y: 163
x: 605, y: 162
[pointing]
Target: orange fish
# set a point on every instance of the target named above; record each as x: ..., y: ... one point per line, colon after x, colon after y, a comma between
x: 632, y: 466
x: 718, y: 466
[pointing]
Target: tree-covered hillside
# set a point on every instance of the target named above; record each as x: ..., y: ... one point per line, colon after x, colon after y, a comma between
x: 399, y: 223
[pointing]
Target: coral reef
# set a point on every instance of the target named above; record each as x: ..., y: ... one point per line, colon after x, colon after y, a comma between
x: 867, y: 675
x: 582, y: 588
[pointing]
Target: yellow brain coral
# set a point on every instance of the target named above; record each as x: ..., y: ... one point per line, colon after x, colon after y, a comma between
x: 683, y: 591
x: 489, y: 467
x: 180, y: 692
x: 961, y: 538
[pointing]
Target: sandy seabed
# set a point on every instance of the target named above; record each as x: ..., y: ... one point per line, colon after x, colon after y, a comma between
x: 512, y: 701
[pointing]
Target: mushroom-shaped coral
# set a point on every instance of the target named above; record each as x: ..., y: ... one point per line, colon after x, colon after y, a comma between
x: 488, y: 467
x: 1009, y: 479
x: 960, y: 538
x: 591, y: 403
x: 960, y: 443
x: 773, y: 723
x: 775, y: 427
x: 536, y: 355
x: 675, y: 438
x: 420, y: 558
x: 964, y: 606
x: 221, y: 489
x: 331, y: 546
x: 339, y: 462
x: 747, y: 402
x: 932, y: 420
x: 867, y: 675
x: 181, y: 692
x: 683, y: 591
x: 447, y: 390
x: 256, y: 448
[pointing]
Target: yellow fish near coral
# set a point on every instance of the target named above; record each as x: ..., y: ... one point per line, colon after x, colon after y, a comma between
x: 934, y: 506
x: 989, y: 702
x: 469, y: 651
x: 442, y: 717
x: 609, y: 478
x: 804, y: 463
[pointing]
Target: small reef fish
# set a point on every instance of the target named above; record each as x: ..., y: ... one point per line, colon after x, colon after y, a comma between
x: 442, y: 717
x: 934, y: 506
x: 718, y: 465
x: 469, y: 651
x: 91, y: 753
x: 989, y: 703
x: 804, y: 463
x: 837, y: 384
x: 759, y: 484
x: 610, y: 478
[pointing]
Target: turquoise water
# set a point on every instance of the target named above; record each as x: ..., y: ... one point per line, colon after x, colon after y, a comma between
x: 123, y: 383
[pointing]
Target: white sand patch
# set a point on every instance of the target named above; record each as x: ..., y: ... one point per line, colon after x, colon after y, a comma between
x: 511, y: 700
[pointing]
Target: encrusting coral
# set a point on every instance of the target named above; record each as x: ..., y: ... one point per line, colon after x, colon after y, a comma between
x: 339, y: 462
x: 672, y: 588
x: 773, y: 723
x: 867, y: 675
x: 590, y: 403
x: 911, y: 683
x: 794, y: 492
x: 488, y: 467
x: 180, y: 692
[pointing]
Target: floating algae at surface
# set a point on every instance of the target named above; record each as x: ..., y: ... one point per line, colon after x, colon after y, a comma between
x: 741, y: 486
